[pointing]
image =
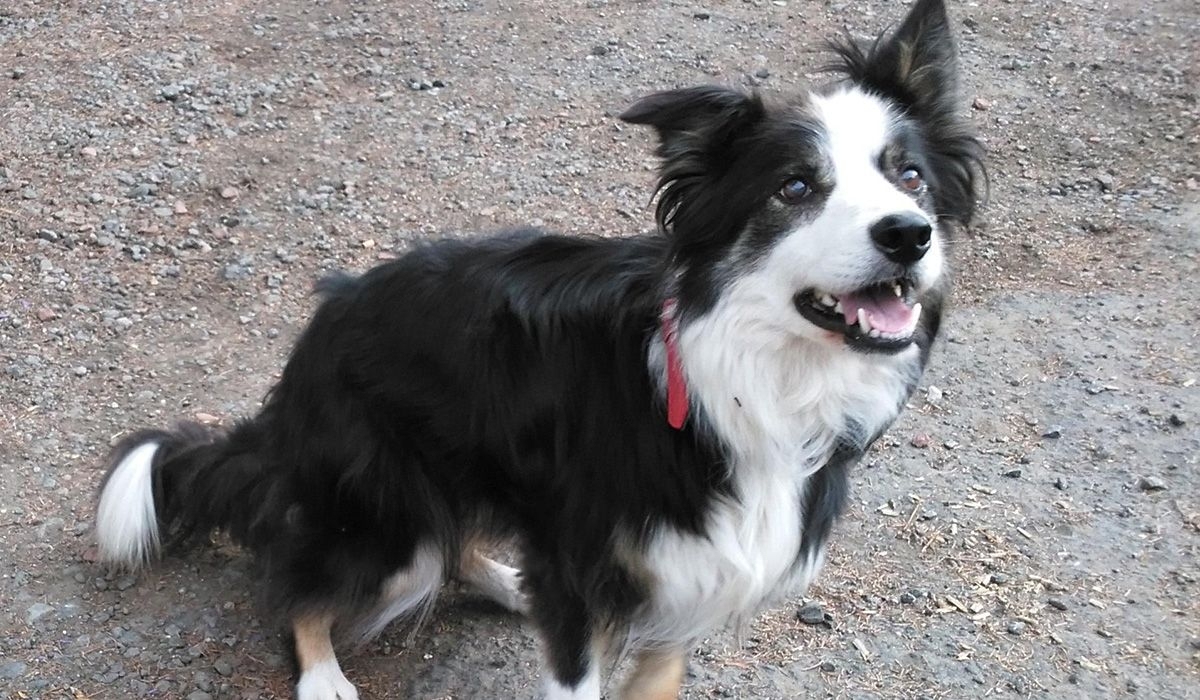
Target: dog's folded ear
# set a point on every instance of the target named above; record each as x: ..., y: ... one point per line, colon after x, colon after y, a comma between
x: 702, y: 120
x: 916, y: 65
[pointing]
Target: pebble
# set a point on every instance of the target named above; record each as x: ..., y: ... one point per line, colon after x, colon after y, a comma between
x: 37, y: 611
x: 228, y: 192
x: 12, y: 669
x: 907, y: 598
x: 1013, y: 473
x: 1016, y: 627
x: 920, y: 440
x: 1052, y: 433
x: 1177, y: 421
x: 1056, y: 603
x: 813, y: 614
x: 1060, y: 484
x: 828, y: 667
x: 80, y: 371
x: 1152, y: 483
x: 981, y: 104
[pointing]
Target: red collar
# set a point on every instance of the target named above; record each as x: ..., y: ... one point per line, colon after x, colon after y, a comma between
x: 677, y: 398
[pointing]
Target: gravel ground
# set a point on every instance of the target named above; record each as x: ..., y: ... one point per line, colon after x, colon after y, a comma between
x: 175, y: 175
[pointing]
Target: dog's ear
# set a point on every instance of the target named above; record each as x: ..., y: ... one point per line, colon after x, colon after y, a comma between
x: 698, y: 129
x: 697, y: 120
x: 916, y: 65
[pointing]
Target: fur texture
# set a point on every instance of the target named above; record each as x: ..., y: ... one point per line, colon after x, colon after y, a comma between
x: 514, y: 387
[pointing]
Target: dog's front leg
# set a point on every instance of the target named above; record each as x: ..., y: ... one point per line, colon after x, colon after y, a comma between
x: 321, y: 677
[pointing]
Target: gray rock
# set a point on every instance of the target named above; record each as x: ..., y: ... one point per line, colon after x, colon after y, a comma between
x: 1152, y: 483
x: 12, y: 669
x: 813, y: 614
x: 37, y: 611
x: 1016, y: 627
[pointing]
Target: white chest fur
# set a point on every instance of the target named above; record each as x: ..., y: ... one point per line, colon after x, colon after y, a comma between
x: 779, y: 404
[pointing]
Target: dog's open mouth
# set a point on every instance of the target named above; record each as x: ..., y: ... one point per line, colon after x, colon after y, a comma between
x: 881, y: 316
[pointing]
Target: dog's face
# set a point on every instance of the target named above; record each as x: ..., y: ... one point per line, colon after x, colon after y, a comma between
x: 834, y: 205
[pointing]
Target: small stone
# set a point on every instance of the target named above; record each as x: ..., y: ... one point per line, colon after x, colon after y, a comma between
x: 16, y: 73
x: 1107, y: 182
x: 1060, y: 484
x: 813, y: 614
x: 12, y: 669
x: 1013, y: 473
x: 762, y: 73
x: 223, y: 666
x: 1016, y: 627
x: 907, y: 598
x: 1177, y: 421
x: 828, y: 667
x: 920, y: 440
x: 88, y: 152
x: 702, y: 15
x: 199, y: 695
x: 80, y: 371
x: 998, y: 578
x: 179, y: 207
x: 981, y: 104
x: 233, y: 272
x: 171, y: 92
x: 37, y: 611
x: 1152, y: 483
x: 228, y: 192
x: 46, y: 313
x: 1056, y: 603
x: 600, y: 50
x: 1052, y: 433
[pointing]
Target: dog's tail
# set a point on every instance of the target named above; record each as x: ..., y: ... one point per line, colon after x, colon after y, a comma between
x: 164, y: 485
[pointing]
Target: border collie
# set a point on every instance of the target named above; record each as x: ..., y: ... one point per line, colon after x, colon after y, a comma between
x: 663, y: 424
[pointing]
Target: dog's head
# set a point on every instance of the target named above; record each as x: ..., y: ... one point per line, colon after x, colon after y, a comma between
x: 835, y: 206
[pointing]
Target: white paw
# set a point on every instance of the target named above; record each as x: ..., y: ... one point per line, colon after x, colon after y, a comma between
x: 324, y: 681
x: 505, y: 588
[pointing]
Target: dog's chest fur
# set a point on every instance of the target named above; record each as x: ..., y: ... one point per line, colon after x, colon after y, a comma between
x: 780, y: 407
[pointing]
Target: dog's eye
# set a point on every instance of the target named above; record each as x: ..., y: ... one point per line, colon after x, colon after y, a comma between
x: 910, y: 179
x: 794, y: 190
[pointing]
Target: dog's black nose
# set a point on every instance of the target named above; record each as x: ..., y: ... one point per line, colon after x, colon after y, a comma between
x: 903, y: 238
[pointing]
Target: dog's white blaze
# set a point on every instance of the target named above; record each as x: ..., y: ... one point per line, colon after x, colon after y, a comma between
x: 126, y: 521
x: 834, y: 252
x: 410, y: 590
x: 587, y: 689
x: 779, y: 403
x: 325, y: 681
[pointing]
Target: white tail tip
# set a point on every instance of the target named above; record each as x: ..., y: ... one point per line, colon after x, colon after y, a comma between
x: 126, y: 522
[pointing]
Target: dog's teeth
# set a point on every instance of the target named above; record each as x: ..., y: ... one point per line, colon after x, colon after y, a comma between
x: 827, y: 300
x: 863, y: 324
x: 838, y: 307
x: 896, y: 288
x: 916, y: 314
x: 875, y: 333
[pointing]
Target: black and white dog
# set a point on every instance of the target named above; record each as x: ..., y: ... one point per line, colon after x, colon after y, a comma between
x: 663, y: 424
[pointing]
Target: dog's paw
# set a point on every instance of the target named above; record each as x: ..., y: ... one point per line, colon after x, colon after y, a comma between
x: 325, y: 681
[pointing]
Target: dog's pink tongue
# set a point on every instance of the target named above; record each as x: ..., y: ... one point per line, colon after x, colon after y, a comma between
x: 885, y: 310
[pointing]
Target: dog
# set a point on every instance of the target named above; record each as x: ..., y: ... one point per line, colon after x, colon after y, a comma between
x: 663, y: 424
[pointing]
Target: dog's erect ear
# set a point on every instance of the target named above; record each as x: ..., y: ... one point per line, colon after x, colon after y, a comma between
x: 696, y: 119
x: 916, y: 65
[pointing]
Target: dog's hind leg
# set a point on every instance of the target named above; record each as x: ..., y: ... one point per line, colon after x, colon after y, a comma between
x: 657, y: 675
x: 321, y: 677
x: 498, y: 582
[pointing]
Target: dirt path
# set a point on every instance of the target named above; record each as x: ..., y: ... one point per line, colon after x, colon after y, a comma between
x: 173, y: 177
